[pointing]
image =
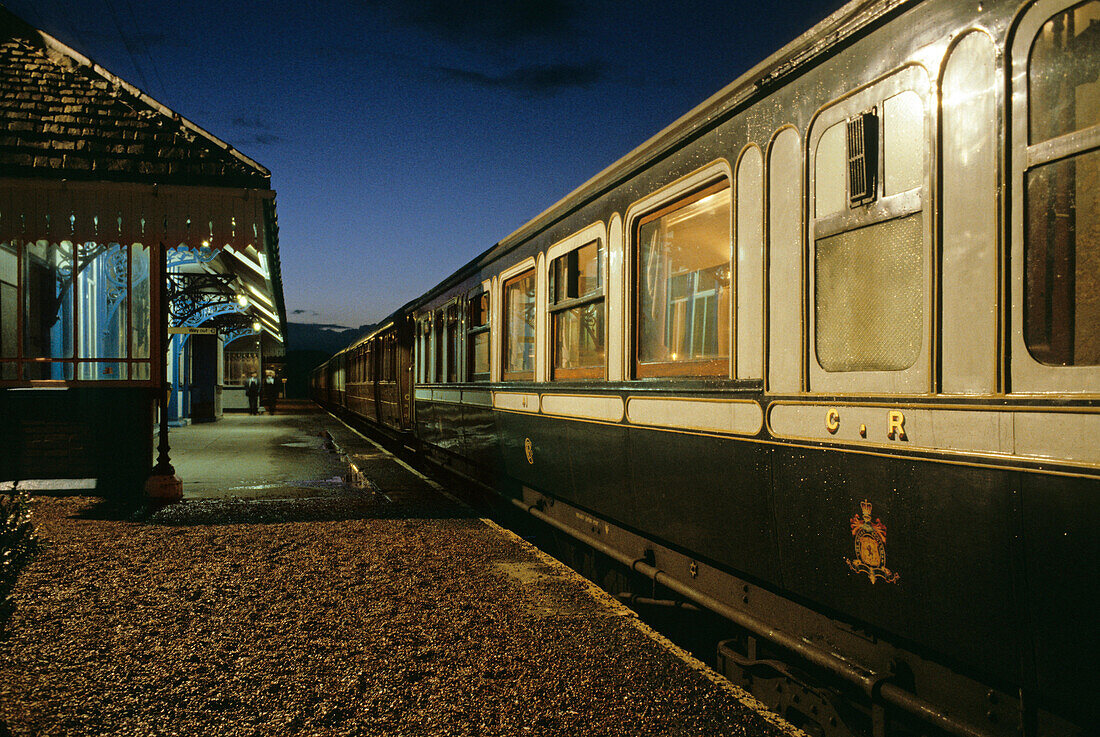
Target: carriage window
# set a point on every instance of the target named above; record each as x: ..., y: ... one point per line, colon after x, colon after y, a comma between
x: 519, y: 327
x: 868, y: 249
x: 477, y: 336
x: 902, y: 142
x: 832, y: 171
x: 453, y: 336
x: 1062, y: 73
x: 577, y: 313
x: 861, y: 324
x: 1062, y: 182
x: 683, y: 287
x: 437, y: 347
x: 424, y: 332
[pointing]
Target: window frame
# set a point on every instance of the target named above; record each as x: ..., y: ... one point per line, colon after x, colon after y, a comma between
x: 1027, y: 374
x: 508, y: 276
x: 483, y: 291
x: 917, y: 377
x: 452, y: 341
x: 715, y: 178
x: 131, y: 366
x: 594, y: 233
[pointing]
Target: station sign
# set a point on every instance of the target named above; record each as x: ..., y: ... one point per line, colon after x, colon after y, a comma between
x: 192, y: 331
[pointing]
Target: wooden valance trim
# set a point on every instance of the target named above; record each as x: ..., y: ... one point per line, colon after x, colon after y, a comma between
x: 107, y: 212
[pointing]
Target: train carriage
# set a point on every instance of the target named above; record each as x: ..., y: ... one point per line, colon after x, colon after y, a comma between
x: 823, y: 356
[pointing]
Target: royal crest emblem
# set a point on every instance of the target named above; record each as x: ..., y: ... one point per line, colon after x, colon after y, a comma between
x: 870, y: 545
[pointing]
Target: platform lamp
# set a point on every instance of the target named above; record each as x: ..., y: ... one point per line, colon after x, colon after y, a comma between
x: 163, y: 485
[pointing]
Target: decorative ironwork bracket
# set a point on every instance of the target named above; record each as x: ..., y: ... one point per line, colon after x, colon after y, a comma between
x: 190, y: 294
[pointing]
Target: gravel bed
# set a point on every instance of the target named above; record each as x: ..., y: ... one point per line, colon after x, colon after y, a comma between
x: 343, y: 613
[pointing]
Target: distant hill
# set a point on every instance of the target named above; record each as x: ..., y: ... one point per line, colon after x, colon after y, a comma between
x: 308, y: 336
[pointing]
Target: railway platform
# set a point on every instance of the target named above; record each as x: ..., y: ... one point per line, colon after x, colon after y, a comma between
x: 285, y: 596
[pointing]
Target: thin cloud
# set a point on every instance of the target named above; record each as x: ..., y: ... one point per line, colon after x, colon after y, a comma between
x: 250, y: 123
x: 538, y: 80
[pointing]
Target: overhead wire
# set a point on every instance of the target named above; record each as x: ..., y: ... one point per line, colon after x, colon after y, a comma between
x: 126, y: 44
x: 149, y: 56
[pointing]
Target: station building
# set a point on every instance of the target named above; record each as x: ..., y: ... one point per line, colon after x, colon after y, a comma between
x: 138, y: 255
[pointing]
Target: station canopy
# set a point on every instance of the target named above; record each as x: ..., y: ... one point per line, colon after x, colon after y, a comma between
x: 88, y: 161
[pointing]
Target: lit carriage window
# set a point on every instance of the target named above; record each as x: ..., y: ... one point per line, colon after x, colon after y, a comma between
x: 423, y: 333
x: 577, y: 313
x: 437, y: 347
x: 519, y: 327
x: 453, y: 337
x: 683, y: 287
x: 1062, y: 183
x: 477, y: 336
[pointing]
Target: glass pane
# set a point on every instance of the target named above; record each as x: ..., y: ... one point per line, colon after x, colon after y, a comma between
x: 1063, y: 71
x: 139, y: 371
x: 48, y: 300
x: 438, y: 376
x: 831, y: 171
x: 903, y: 142
x: 478, y: 310
x: 684, y: 282
x: 577, y: 273
x: 9, y: 305
x: 869, y: 296
x: 579, y: 337
x: 452, y: 345
x: 103, y: 310
x: 519, y: 324
x: 101, y: 371
x: 479, y: 353
x: 141, y: 311
x: 51, y: 370
x: 1062, y: 262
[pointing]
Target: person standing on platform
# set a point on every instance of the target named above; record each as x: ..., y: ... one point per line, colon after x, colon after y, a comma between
x: 270, y: 392
x: 252, y: 391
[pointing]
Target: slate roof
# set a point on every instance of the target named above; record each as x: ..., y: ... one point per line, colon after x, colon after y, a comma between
x: 64, y: 117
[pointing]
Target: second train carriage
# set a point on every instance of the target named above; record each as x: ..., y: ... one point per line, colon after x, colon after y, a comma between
x: 823, y: 355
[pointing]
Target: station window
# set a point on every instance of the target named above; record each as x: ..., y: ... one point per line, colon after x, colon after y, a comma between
x: 477, y: 335
x: 1062, y: 190
x: 577, y: 313
x: 74, y: 311
x: 519, y: 327
x: 683, y: 286
x: 869, y: 241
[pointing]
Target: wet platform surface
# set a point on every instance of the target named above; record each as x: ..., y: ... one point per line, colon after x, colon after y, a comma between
x: 277, y: 599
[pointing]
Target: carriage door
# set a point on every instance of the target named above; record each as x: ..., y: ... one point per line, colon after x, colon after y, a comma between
x: 870, y: 241
x: 1054, y: 284
x: 1055, y: 139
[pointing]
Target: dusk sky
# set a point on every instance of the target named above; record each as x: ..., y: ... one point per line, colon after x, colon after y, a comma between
x: 404, y: 138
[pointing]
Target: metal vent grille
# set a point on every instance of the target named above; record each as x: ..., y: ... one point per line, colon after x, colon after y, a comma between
x: 869, y: 296
x: 862, y: 157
